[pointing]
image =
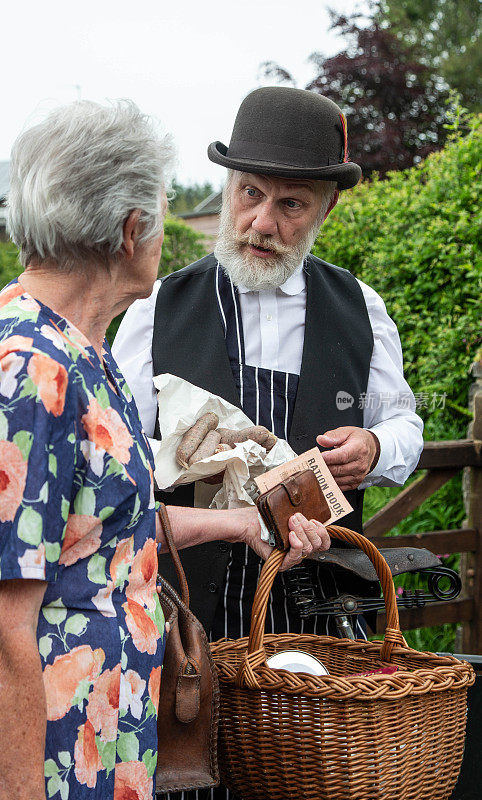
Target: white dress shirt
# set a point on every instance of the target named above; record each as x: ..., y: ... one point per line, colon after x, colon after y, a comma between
x: 274, y: 326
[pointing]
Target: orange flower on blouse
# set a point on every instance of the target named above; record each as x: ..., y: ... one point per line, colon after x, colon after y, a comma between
x: 154, y: 685
x: 105, y: 428
x: 122, y: 558
x: 103, y: 704
x: 10, y: 293
x: 82, y: 538
x: 132, y: 781
x: 51, y: 380
x: 14, y: 343
x: 143, y: 576
x: 86, y: 756
x: 132, y: 691
x: 13, y: 475
x: 143, y: 630
x: 62, y: 678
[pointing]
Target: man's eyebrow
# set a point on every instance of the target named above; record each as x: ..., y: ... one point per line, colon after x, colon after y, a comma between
x: 309, y: 186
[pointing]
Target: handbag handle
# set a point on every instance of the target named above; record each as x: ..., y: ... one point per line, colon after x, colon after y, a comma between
x: 167, y: 530
x: 255, y: 654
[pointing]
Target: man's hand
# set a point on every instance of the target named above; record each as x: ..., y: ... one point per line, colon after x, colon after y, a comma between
x: 355, y: 453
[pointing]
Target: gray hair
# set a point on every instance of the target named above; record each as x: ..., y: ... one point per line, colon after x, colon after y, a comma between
x: 76, y: 176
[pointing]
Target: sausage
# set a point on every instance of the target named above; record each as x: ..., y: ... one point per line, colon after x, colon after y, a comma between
x: 257, y: 433
x: 206, y: 448
x: 194, y: 436
x: 223, y: 447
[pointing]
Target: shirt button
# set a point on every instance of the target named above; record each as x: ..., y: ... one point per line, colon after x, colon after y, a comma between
x: 269, y: 317
x: 223, y: 547
x: 213, y: 587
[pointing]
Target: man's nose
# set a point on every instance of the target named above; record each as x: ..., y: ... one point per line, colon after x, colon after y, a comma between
x: 265, y: 220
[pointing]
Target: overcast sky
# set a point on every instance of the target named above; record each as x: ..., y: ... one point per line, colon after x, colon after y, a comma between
x: 187, y: 62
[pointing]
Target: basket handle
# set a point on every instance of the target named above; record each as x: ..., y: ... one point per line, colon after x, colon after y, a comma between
x: 256, y: 656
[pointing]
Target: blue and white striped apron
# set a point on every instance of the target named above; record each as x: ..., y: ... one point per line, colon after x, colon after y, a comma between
x: 268, y: 398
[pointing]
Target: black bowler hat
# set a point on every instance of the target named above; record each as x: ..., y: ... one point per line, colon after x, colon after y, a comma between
x: 290, y: 133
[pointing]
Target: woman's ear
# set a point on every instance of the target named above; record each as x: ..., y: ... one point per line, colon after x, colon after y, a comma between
x: 131, y: 231
x: 333, y: 202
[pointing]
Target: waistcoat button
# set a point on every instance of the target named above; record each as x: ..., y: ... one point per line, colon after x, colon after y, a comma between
x: 213, y: 587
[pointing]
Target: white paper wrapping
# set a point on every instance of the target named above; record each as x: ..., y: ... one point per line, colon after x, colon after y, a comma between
x: 180, y: 405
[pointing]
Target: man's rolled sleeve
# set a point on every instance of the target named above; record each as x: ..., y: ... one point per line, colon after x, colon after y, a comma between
x: 389, y: 404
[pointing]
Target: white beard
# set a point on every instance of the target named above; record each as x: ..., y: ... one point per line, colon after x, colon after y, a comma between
x: 253, y: 272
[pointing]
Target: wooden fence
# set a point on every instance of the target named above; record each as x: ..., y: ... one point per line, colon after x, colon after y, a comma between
x: 443, y: 460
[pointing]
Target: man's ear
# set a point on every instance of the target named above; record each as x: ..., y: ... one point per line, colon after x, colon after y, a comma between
x: 131, y: 231
x: 333, y: 202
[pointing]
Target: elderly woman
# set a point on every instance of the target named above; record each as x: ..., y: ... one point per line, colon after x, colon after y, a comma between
x: 81, y: 630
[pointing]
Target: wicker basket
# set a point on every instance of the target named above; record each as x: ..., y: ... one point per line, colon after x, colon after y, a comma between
x: 287, y: 736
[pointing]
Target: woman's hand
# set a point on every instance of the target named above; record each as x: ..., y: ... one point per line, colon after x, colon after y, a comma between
x: 306, y: 536
x: 192, y: 526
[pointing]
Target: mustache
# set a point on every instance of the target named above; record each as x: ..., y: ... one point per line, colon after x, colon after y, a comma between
x: 266, y: 242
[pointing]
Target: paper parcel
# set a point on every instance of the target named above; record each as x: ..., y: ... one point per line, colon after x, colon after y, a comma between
x: 180, y: 404
x: 246, y: 468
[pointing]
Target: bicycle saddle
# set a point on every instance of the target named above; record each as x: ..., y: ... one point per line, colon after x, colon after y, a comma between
x: 399, y: 559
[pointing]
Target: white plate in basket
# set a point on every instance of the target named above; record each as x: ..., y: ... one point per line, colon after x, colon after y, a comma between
x: 297, y: 661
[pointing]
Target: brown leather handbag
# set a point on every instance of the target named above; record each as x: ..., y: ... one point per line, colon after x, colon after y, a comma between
x: 187, y: 724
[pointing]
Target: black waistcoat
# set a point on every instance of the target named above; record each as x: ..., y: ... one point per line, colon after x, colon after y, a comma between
x: 188, y: 341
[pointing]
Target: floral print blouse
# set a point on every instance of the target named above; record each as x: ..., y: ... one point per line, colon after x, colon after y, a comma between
x: 77, y: 510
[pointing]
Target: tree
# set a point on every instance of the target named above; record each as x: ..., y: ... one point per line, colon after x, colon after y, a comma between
x: 187, y: 197
x: 445, y: 35
x: 395, y: 107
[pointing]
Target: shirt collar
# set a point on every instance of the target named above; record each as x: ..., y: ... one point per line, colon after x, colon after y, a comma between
x: 294, y: 285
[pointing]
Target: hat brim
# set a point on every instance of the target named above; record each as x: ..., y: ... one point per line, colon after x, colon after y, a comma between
x: 346, y: 174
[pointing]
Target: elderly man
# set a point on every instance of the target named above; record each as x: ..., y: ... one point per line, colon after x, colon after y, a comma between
x: 300, y: 345
x: 281, y: 334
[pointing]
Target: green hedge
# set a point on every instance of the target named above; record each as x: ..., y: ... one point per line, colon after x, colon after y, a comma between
x: 182, y: 245
x: 415, y: 238
x: 9, y: 265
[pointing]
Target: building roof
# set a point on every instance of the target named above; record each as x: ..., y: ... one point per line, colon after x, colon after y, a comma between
x: 210, y: 205
x: 4, y: 179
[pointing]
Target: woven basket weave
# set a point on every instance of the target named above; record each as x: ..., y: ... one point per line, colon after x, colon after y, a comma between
x: 293, y: 736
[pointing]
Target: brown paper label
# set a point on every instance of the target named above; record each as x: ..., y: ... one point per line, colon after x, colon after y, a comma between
x: 312, y: 459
